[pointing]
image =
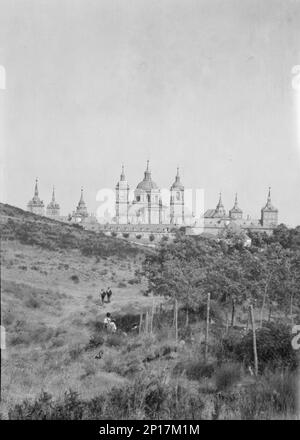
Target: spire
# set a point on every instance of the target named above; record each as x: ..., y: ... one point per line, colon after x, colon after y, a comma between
x: 235, y: 201
x: 81, y: 196
x: 147, y: 172
x: 269, y: 196
x: 236, y: 211
x: 36, y: 190
x: 220, y: 203
x: 53, y: 194
x: 122, y: 177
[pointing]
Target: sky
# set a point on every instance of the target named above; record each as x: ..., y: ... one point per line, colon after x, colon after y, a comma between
x: 206, y: 85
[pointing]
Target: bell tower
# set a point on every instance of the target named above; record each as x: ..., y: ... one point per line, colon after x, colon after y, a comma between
x: 269, y: 214
x: 177, y: 201
x: 122, y: 199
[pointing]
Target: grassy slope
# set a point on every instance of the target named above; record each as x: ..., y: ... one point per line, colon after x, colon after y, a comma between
x: 47, y: 315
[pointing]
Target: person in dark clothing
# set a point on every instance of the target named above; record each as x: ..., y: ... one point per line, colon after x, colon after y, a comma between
x: 109, y: 294
x: 102, y: 295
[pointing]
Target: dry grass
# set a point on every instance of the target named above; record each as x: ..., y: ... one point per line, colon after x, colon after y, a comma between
x: 45, y: 316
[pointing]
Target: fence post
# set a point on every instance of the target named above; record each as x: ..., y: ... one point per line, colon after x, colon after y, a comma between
x: 254, y: 340
x: 207, y: 326
x: 147, y: 322
x: 151, y: 318
x: 233, y: 312
x: 141, y: 323
x: 176, y: 320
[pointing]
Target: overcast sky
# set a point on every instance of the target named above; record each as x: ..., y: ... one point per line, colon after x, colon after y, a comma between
x: 203, y: 84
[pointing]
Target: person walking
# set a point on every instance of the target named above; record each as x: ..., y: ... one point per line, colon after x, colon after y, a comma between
x: 102, y: 295
x: 109, y: 294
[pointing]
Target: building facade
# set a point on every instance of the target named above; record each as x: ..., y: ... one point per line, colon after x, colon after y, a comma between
x: 53, y: 209
x: 81, y: 213
x: 36, y: 205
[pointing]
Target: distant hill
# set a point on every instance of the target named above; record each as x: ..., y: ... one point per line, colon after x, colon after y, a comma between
x: 32, y: 229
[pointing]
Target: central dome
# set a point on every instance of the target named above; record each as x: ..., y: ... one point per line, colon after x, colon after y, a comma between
x: 147, y: 183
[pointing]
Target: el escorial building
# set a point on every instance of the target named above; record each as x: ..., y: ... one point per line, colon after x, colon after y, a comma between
x: 143, y: 211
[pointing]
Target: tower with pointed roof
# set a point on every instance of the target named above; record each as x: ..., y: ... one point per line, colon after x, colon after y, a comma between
x: 36, y: 205
x: 122, y: 199
x: 177, y: 201
x: 81, y: 212
x: 269, y: 214
x: 53, y: 208
x: 220, y: 210
x: 236, y: 212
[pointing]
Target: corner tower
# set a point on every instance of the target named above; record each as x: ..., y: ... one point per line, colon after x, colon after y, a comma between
x: 53, y: 209
x: 36, y: 205
x: 236, y: 212
x: 177, y: 201
x: 269, y: 214
x: 122, y: 199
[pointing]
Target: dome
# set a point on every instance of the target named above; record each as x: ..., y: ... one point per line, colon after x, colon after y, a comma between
x: 147, y: 183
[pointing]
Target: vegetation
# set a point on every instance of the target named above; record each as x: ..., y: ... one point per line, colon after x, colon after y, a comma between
x: 159, y: 365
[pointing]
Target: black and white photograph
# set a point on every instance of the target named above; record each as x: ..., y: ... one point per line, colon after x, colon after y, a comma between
x: 149, y: 213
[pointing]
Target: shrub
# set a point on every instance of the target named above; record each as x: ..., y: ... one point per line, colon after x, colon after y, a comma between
x: 127, y: 365
x: 227, y: 376
x: 95, y: 341
x: 125, y: 234
x: 274, y: 347
x: 122, y: 284
x: 75, y: 279
x: 114, y: 340
x: 114, y: 234
x: 151, y: 237
x: 138, y: 236
x: 194, y: 369
x: 273, y: 393
x: 134, y: 281
x: 75, y: 352
x: 32, y: 303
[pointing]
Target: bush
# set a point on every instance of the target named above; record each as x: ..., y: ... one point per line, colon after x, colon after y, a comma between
x: 139, y: 236
x: 272, y: 394
x: 274, y: 347
x: 227, y: 376
x: 32, y: 303
x: 75, y: 279
x: 194, y: 369
x: 151, y: 237
x: 122, y: 284
x: 114, y: 340
x: 125, y: 234
x: 95, y: 341
x: 134, y: 281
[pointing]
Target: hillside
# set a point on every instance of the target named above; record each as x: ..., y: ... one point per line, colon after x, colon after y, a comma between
x: 51, y: 277
x: 60, y: 363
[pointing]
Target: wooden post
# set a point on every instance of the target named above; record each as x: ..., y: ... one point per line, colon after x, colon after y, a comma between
x: 232, y: 312
x: 176, y: 320
x: 270, y: 312
x: 151, y: 317
x: 147, y: 322
x: 207, y: 327
x: 141, y: 323
x: 187, y: 317
x: 254, y: 340
x: 227, y: 324
x: 291, y: 309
